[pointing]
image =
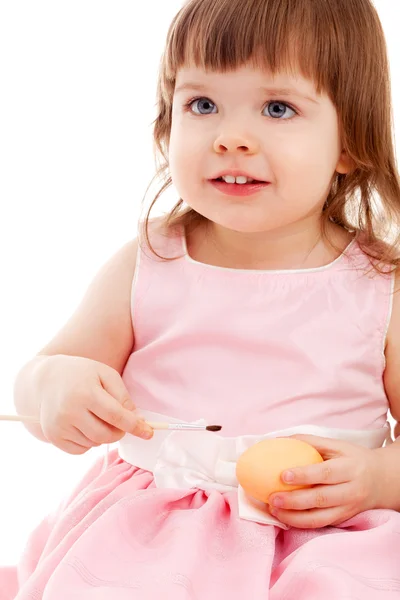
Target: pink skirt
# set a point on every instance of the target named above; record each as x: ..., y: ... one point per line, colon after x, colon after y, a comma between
x: 118, y: 537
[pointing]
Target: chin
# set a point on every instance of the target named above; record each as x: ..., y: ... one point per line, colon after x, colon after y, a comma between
x: 244, y: 217
x: 246, y: 224
x: 245, y: 228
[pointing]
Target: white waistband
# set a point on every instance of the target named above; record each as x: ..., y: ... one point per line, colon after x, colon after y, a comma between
x: 207, y: 461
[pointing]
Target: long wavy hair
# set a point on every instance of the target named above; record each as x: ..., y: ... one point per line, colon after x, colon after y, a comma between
x: 337, y: 44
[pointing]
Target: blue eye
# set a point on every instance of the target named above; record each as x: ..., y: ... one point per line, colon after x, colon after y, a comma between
x: 276, y: 113
x: 276, y: 110
x: 204, y: 106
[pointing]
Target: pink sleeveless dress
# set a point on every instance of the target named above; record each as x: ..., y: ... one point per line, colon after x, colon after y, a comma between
x: 261, y: 353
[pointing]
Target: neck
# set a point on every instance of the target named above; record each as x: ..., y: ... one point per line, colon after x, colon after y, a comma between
x: 301, y: 246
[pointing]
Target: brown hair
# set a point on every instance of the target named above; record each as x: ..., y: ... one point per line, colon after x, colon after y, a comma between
x: 337, y: 44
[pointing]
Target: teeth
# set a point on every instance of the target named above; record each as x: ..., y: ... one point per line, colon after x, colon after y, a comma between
x: 241, y: 179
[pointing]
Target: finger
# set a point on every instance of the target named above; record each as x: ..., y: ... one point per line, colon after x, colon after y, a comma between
x: 108, y: 409
x: 112, y: 382
x: 320, y: 496
x: 98, y: 432
x: 71, y: 441
x: 312, y: 519
x: 71, y: 447
x: 78, y: 437
x: 336, y: 470
x: 327, y: 447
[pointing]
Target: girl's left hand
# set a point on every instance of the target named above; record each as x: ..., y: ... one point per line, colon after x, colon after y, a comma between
x: 345, y: 484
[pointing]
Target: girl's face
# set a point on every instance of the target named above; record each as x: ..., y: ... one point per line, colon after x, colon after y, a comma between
x: 276, y: 130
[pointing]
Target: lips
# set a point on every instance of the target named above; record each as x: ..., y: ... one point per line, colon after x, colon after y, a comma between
x: 239, y: 190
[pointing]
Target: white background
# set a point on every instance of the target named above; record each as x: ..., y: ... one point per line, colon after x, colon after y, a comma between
x: 77, y: 96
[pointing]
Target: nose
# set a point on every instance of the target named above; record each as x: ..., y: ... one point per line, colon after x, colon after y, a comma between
x: 242, y: 144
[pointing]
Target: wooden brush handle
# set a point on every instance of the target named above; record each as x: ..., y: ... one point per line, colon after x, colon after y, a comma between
x: 26, y: 419
x: 153, y: 425
x: 18, y: 418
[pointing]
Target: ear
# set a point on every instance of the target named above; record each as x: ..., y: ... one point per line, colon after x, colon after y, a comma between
x: 345, y: 164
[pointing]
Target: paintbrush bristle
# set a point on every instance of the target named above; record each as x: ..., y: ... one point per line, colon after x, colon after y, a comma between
x: 214, y: 427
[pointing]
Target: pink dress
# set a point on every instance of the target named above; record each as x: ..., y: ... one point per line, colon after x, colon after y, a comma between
x: 258, y: 352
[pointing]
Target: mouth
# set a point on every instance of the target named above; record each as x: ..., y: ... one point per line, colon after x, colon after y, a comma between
x: 238, y: 185
x: 238, y: 178
x: 241, y: 180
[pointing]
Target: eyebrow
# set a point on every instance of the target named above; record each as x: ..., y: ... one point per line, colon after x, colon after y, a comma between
x: 269, y: 91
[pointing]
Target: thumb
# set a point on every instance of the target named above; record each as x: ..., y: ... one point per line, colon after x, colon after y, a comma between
x: 327, y: 447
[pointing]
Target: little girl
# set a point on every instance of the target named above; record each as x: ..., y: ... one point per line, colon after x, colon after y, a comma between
x: 264, y: 302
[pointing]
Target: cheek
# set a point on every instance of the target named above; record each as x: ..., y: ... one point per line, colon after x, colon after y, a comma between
x: 181, y: 172
x: 185, y: 160
x: 305, y: 166
x: 173, y: 149
x: 177, y: 166
x: 177, y: 145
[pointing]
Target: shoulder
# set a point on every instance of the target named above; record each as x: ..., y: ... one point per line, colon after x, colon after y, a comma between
x: 124, y: 259
x: 118, y: 271
x: 101, y: 327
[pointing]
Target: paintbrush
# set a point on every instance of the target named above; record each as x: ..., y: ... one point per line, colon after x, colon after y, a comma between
x: 153, y: 425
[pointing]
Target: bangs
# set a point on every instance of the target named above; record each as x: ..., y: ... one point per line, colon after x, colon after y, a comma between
x: 273, y: 35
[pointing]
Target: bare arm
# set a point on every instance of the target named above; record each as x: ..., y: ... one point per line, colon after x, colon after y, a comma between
x: 392, y: 352
x: 391, y: 453
x: 100, y: 329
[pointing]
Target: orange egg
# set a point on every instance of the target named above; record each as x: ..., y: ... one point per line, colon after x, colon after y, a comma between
x: 259, y: 468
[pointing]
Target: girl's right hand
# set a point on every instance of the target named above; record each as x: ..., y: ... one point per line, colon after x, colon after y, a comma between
x: 84, y: 403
